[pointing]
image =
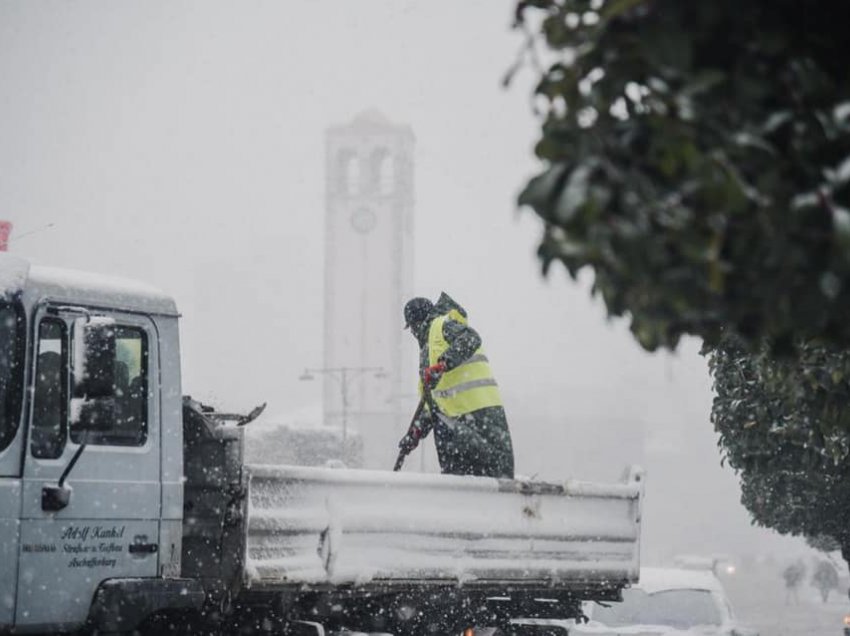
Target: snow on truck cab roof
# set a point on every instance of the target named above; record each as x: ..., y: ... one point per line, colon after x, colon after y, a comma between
x: 18, y: 275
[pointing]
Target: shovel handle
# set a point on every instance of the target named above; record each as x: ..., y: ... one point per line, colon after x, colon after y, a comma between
x: 406, y: 448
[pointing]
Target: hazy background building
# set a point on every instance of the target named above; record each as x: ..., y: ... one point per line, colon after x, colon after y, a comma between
x: 368, y: 275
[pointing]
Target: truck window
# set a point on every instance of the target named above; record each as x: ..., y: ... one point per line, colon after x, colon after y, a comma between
x: 11, y: 371
x: 130, y: 390
x: 50, y: 397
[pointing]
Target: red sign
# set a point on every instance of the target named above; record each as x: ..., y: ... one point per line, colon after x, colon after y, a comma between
x: 5, y: 231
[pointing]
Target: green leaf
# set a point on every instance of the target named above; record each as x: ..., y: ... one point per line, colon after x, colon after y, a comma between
x: 574, y: 195
x: 540, y: 191
x: 841, y: 225
x: 749, y: 140
x: 558, y: 34
x: 842, y: 172
x: 616, y: 8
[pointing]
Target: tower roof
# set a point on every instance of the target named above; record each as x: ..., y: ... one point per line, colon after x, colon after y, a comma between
x: 370, y: 120
x: 371, y: 117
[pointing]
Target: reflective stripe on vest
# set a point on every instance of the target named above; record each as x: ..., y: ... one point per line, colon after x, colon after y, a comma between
x: 466, y: 388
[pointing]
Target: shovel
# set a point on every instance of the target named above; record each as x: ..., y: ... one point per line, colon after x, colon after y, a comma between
x: 410, y: 441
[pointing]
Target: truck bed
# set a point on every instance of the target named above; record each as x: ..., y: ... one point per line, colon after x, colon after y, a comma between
x: 319, y: 527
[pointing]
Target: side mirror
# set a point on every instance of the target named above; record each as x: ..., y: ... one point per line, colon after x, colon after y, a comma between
x: 95, y: 415
x: 55, y: 498
x: 94, y: 357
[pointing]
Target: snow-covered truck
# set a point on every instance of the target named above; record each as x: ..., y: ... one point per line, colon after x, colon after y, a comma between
x: 125, y: 506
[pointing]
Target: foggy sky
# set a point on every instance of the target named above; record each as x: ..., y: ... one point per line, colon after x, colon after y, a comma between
x: 181, y: 143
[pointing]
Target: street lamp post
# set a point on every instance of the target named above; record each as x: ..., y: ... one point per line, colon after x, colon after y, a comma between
x: 343, y: 375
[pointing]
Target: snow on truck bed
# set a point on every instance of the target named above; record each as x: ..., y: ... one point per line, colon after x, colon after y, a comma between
x: 332, y: 526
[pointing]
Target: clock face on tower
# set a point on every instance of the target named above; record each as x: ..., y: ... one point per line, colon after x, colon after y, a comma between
x: 363, y: 220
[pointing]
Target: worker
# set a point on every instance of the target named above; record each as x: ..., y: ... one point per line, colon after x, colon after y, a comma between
x: 461, y: 399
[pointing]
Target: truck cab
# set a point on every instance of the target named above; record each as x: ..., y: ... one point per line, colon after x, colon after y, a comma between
x: 90, y: 459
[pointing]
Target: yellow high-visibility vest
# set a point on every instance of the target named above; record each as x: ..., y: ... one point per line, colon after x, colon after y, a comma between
x: 469, y: 386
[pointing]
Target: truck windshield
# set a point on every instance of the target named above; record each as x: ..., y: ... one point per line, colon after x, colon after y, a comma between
x: 11, y: 371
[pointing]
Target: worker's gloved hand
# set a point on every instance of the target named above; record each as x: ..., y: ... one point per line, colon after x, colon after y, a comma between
x: 431, y: 375
x: 409, y: 441
x: 416, y: 432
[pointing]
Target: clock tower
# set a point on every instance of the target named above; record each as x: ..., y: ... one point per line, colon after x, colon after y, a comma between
x: 368, y: 278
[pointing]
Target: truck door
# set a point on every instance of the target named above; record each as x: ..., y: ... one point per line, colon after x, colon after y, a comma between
x: 109, y: 526
x: 12, y: 349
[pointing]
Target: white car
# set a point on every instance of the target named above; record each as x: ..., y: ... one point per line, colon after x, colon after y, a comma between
x: 666, y: 602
